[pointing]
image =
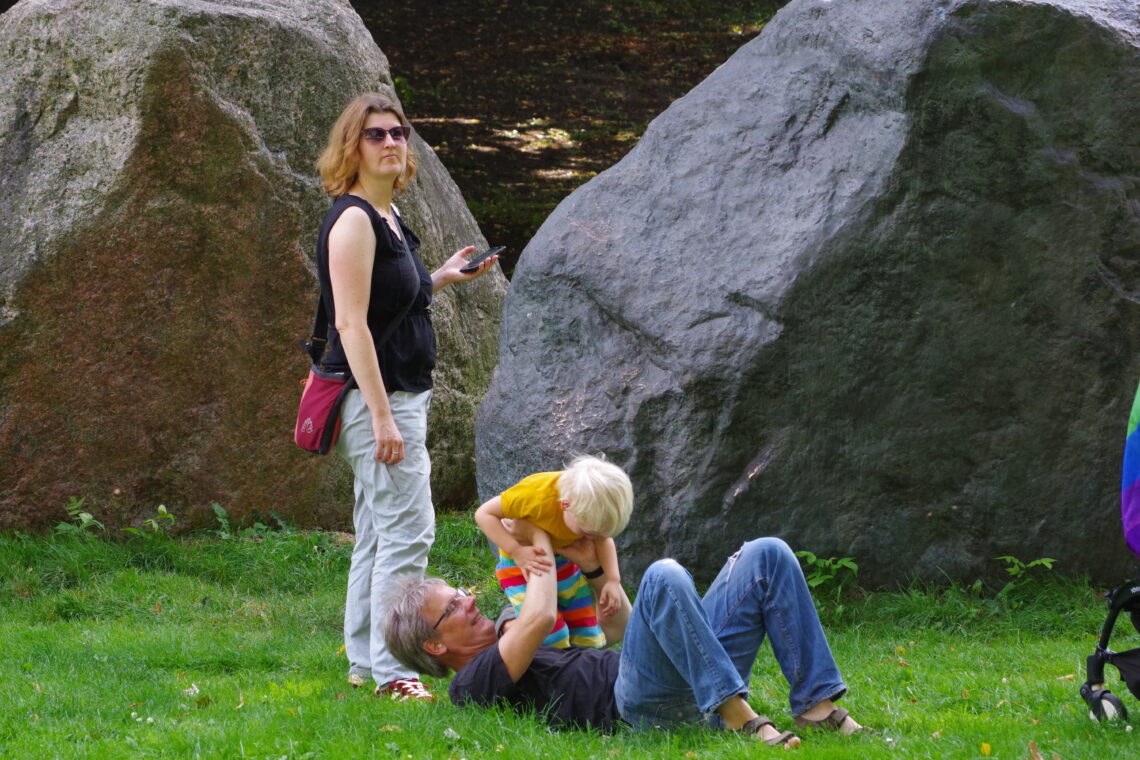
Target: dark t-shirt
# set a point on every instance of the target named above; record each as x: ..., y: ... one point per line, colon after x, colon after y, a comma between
x: 407, y: 357
x: 573, y: 687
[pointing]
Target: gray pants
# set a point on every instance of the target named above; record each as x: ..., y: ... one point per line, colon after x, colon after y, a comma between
x: 394, y: 522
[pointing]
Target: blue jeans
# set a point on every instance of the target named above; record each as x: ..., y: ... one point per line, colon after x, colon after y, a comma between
x: 684, y: 656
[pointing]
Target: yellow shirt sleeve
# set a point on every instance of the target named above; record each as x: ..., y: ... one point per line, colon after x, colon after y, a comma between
x: 536, y: 498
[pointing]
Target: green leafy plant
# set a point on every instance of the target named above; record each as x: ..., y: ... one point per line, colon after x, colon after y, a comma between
x: 261, y: 529
x: 1019, y: 570
x: 162, y: 521
x: 81, y: 521
x: 1022, y: 575
x: 828, y: 578
x: 257, y: 530
x: 224, y: 530
x: 827, y: 573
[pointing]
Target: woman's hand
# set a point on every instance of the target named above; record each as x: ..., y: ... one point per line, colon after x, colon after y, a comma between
x: 389, y: 442
x: 449, y: 272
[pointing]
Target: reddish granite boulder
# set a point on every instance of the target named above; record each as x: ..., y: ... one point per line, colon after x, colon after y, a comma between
x: 158, y: 209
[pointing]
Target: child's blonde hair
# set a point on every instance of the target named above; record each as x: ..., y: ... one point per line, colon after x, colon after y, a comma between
x: 599, y: 493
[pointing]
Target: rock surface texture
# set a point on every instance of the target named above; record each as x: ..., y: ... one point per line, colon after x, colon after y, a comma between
x: 872, y: 287
x: 159, y: 204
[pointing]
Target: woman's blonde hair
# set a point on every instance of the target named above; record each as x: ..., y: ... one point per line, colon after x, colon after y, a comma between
x: 340, y: 160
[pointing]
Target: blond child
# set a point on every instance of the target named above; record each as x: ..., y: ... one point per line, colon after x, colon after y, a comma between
x: 590, y: 499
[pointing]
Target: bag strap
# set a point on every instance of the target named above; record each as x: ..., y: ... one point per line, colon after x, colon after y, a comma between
x: 315, y: 346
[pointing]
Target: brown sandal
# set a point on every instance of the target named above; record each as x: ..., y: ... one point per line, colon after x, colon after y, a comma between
x: 833, y: 722
x: 752, y: 728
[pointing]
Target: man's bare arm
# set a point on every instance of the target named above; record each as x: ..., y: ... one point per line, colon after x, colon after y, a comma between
x: 521, y: 641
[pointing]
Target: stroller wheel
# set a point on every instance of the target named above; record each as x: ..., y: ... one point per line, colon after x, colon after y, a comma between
x: 1103, y: 704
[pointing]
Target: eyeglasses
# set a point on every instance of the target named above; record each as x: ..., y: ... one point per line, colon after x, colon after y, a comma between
x: 451, y: 605
x: 377, y: 134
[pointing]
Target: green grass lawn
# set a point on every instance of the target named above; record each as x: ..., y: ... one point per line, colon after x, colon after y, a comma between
x: 228, y: 645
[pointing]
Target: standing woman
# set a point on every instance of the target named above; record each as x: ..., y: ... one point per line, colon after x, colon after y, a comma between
x: 369, y: 273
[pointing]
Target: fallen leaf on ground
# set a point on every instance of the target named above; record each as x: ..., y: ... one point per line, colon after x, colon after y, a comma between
x: 1033, y: 753
x: 241, y: 701
x: 986, y: 749
x: 1069, y: 677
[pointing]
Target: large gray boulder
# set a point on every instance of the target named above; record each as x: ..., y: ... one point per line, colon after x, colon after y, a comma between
x: 158, y: 208
x: 871, y: 287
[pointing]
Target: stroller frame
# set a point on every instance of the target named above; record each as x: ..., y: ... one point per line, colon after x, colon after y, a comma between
x: 1103, y: 704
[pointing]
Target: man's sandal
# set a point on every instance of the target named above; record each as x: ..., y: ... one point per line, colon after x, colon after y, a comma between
x: 752, y: 728
x: 833, y: 722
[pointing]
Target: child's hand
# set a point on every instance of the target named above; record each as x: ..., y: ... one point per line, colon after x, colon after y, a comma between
x: 609, y: 601
x: 532, y: 559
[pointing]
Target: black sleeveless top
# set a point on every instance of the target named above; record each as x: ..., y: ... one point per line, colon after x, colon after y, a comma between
x: 408, y: 355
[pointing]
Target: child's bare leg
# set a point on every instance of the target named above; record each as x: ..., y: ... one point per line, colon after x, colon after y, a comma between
x: 612, y: 625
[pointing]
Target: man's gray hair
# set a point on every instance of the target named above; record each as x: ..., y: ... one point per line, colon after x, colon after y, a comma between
x: 405, y: 629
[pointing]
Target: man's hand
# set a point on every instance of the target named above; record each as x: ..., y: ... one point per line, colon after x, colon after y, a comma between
x: 532, y: 559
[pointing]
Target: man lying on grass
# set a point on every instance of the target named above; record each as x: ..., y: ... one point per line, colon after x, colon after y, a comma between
x: 684, y: 659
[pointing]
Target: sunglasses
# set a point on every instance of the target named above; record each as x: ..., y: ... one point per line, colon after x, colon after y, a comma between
x: 377, y: 134
x: 451, y: 605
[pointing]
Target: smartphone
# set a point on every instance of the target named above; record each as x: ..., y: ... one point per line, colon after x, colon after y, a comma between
x: 473, y: 263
